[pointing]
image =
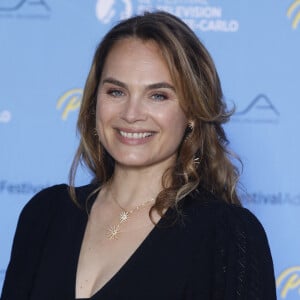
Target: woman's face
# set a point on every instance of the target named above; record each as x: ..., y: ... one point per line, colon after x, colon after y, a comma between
x: 138, y: 116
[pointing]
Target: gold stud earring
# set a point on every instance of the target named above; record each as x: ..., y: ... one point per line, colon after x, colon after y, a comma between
x: 190, y: 126
x: 189, y: 129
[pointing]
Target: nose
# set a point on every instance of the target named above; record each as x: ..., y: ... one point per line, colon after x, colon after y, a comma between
x: 134, y: 110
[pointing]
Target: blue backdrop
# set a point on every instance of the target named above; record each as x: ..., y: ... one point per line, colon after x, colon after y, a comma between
x: 46, y: 50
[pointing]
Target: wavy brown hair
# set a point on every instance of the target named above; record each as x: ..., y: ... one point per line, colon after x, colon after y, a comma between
x: 203, y: 157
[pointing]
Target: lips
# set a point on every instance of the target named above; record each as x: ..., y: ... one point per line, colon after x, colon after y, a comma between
x: 135, y: 135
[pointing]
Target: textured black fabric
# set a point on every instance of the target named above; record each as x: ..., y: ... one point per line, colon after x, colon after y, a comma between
x: 215, y: 251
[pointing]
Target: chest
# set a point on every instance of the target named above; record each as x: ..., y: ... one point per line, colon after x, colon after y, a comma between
x: 156, y: 267
x: 105, y: 250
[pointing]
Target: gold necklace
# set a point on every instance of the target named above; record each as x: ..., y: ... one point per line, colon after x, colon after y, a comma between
x: 113, y: 231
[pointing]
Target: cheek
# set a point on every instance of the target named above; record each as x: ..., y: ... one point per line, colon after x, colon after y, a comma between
x: 106, y: 115
x: 100, y: 118
x: 176, y: 119
x: 103, y: 112
x: 174, y: 123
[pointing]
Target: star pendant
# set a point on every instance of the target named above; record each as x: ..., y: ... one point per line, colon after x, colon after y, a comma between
x: 124, y: 215
x: 113, y: 232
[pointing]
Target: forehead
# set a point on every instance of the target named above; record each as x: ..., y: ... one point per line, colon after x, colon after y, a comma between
x: 133, y: 44
x: 134, y: 57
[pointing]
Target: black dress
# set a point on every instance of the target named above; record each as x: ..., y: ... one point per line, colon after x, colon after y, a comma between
x: 214, y: 251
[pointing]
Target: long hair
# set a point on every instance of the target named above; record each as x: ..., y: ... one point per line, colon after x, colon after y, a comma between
x: 203, y: 157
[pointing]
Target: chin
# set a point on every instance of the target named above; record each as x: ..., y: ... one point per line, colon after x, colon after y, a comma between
x: 131, y: 159
x: 132, y: 163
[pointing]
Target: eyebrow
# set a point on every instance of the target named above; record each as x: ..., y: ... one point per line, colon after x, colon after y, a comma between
x: 158, y: 85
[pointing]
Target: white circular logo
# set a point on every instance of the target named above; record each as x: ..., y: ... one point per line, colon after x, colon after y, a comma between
x: 107, y: 10
x: 5, y: 116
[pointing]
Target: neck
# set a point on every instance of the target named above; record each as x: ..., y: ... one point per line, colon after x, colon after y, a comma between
x: 131, y: 186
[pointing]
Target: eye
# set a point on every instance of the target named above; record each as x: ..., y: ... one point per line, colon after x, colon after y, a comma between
x: 115, y: 93
x: 159, y: 96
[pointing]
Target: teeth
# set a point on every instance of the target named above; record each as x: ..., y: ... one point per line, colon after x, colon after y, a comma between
x: 135, y: 135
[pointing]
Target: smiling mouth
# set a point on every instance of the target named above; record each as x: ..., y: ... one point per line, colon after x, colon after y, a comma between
x: 135, y: 135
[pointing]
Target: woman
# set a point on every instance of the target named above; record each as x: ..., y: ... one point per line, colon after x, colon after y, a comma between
x: 161, y: 219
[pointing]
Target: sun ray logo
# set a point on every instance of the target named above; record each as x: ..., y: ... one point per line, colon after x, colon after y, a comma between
x: 72, y: 101
x: 293, y: 13
x: 288, y: 281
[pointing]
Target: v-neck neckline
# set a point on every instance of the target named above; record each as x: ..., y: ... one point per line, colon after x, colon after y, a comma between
x: 129, y: 261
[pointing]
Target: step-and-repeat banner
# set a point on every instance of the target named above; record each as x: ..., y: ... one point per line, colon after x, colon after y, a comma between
x: 46, y: 48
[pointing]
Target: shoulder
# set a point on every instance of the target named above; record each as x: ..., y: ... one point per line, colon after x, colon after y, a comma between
x: 223, y: 219
x: 233, y: 232
x: 238, y: 246
x: 52, y: 198
x: 52, y: 205
x: 45, y: 200
x: 42, y: 203
x: 47, y: 211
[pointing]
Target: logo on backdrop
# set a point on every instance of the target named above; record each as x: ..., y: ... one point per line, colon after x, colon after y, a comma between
x: 288, y: 282
x: 20, y: 187
x: 198, y: 14
x: 259, y: 110
x: 108, y: 10
x: 5, y: 116
x: 25, y: 9
x: 274, y: 199
x: 69, y: 102
x: 293, y: 13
